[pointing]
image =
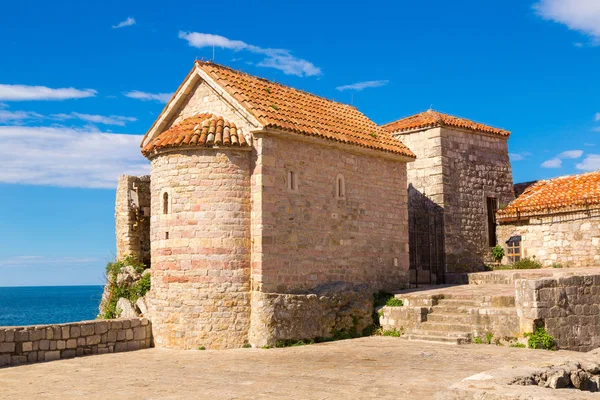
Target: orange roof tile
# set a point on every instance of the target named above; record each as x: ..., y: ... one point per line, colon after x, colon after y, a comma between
x: 205, y: 130
x: 564, y: 194
x: 284, y: 108
x: 430, y: 119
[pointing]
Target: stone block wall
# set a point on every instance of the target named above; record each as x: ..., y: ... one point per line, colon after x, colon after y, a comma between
x: 457, y: 170
x: 568, y: 307
x: 27, y: 344
x: 200, y: 293
x: 132, y: 217
x: 477, y: 166
x: 571, y: 239
x: 308, y: 236
x: 336, y: 307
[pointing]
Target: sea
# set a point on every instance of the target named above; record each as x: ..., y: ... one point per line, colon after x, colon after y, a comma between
x: 40, y: 305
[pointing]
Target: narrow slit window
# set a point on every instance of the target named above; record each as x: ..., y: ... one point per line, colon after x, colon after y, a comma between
x: 165, y: 203
x: 513, y: 249
x: 492, y: 207
x: 292, y: 181
x: 340, y: 187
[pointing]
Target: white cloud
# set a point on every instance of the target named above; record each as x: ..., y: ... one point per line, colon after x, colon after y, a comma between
x: 358, y: 86
x: 556, y: 162
x: 280, y: 59
x: 552, y: 163
x: 597, y: 117
x: 20, y: 261
x: 128, y: 22
x: 590, y: 163
x: 18, y: 116
x: 571, y: 154
x: 589, y: 144
x: 98, y: 119
x: 68, y: 157
x: 579, y: 15
x: 160, y: 97
x: 519, y: 156
x: 24, y: 92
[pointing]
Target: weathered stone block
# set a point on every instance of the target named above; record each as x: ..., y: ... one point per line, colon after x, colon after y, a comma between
x: 87, y: 329
x: 52, y: 355
x: 7, y: 347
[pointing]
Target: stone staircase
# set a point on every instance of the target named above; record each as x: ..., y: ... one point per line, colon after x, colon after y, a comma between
x: 454, y: 315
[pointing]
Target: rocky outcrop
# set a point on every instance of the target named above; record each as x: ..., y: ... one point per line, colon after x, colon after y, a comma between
x: 126, y: 309
x: 123, y: 296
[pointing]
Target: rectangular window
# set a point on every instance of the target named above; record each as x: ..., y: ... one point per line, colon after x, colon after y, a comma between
x: 492, y: 207
x: 514, y: 249
x: 292, y: 181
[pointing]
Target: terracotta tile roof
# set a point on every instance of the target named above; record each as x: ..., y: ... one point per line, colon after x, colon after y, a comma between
x: 205, y: 130
x: 431, y: 118
x: 284, y: 108
x: 564, y: 194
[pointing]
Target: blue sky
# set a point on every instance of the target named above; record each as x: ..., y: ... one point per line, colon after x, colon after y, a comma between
x: 81, y: 81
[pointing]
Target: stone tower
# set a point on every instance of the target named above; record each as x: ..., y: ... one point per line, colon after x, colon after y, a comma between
x: 200, y: 234
x: 463, y: 170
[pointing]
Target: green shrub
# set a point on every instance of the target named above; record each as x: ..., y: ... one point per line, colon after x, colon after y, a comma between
x: 247, y: 346
x: 519, y: 345
x: 489, y: 337
x: 498, y: 253
x: 201, y: 348
x: 540, y: 339
x: 393, y: 333
x: 525, y: 263
x: 381, y: 298
x: 557, y: 265
x: 394, y: 302
x: 477, y: 340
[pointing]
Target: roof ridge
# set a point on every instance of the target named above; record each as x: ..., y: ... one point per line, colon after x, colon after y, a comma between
x: 237, y: 71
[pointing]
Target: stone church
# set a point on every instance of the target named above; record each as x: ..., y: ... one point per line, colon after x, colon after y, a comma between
x: 272, y: 213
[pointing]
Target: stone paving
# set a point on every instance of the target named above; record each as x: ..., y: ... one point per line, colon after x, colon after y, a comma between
x: 372, y: 367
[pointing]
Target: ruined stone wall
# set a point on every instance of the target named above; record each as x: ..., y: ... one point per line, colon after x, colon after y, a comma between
x: 476, y: 166
x: 132, y: 217
x: 336, y: 307
x: 27, y: 344
x: 200, y: 293
x: 307, y: 237
x: 571, y: 239
x: 568, y: 306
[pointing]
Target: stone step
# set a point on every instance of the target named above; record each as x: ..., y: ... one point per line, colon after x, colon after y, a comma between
x: 457, y: 318
x: 428, y: 337
x: 458, y: 302
x: 439, y: 327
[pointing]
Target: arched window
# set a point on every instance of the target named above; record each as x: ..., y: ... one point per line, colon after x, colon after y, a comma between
x: 165, y: 203
x: 340, y: 187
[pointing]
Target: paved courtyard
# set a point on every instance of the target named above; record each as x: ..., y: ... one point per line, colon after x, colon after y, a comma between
x: 372, y: 367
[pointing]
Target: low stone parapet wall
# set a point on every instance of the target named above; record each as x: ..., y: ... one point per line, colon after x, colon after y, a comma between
x: 27, y: 344
x: 568, y: 307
